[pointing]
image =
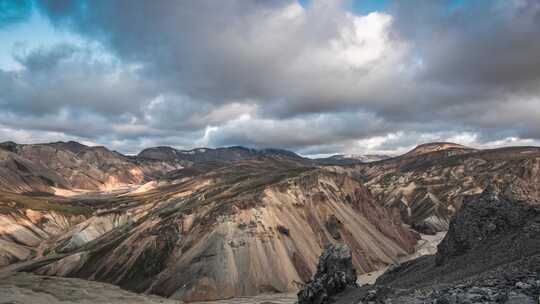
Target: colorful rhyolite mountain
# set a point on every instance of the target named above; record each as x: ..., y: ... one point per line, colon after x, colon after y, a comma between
x: 218, y: 223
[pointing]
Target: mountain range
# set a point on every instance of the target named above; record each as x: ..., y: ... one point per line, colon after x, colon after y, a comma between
x: 208, y: 224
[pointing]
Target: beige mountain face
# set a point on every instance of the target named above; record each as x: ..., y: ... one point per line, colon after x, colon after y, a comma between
x: 233, y: 232
x: 437, y: 146
x: 26, y: 222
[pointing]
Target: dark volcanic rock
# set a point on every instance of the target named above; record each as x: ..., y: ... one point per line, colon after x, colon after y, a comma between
x: 491, y: 254
x: 335, y: 273
x: 333, y: 224
x: 484, y: 219
x: 425, y: 228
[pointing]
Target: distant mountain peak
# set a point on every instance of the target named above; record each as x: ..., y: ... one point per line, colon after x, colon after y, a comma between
x: 350, y: 159
x: 73, y: 146
x: 366, y: 158
x: 231, y: 153
x: 9, y: 146
x: 435, y: 146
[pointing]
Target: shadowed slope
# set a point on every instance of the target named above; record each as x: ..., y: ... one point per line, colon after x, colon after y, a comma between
x: 491, y: 254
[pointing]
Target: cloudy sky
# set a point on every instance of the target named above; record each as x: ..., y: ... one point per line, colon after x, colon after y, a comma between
x: 313, y: 76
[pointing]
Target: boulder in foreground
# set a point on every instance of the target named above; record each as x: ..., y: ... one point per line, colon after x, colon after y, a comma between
x: 335, y: 273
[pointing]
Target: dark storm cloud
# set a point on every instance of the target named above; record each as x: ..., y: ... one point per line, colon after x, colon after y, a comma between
x: 42, y: 59
x: 200, y: 48
x: 69, y: 76
x: 485, y: 53
x: 270, y: 73
x: 81, y: 92
x: 298, y: 133
x: 480, y: 43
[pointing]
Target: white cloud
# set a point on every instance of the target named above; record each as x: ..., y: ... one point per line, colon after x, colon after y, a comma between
x: 272, y: 73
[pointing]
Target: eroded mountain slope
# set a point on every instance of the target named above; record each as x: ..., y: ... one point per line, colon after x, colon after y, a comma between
x: 27, y: 221
x: 429, y: 187
x: 257, y: 226
x: 61, y: 166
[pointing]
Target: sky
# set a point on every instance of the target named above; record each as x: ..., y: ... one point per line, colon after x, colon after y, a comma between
x: 317, y: 77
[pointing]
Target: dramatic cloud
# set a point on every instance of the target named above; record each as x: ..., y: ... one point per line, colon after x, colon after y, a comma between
x: 315, y: 79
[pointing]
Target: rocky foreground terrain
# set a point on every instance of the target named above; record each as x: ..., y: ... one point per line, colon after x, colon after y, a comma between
x: 491, y: 254
x: 208, y: 224
x: 36, y: 289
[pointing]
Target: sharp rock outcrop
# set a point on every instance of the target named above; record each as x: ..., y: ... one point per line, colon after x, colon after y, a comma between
x: 335, y: 273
